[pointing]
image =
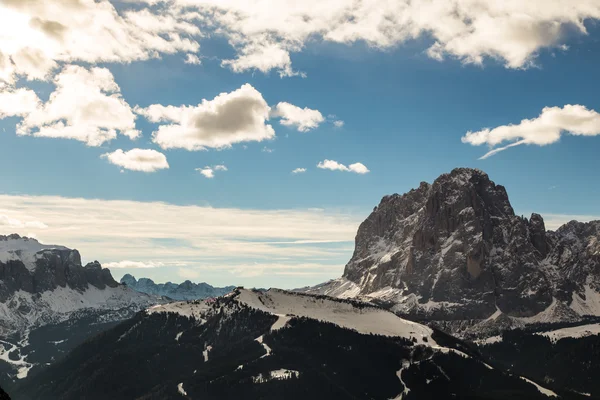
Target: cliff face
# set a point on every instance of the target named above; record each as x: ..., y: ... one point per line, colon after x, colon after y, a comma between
x: 27, y: 265
x: 455, y: 250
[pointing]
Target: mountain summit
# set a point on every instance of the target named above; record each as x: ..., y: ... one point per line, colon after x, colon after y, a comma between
x: 454, y: 250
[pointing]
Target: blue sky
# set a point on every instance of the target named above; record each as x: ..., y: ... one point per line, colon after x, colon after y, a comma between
x: 404, y: 114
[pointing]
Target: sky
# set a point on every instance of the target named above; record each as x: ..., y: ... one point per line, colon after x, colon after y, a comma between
x: 243, y: 141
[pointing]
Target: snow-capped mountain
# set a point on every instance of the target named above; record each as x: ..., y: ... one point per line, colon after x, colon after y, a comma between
x: 455, y: 252
x: 271, y: 345
x: 45, y: 289
x: 182, y: 291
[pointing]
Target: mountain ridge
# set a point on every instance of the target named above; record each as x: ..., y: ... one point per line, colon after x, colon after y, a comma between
x: 186, y: 290
x: 273, y: 344
x: 50, y: 302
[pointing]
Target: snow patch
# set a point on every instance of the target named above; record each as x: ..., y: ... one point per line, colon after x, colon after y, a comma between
x: 366, y: 319
x: 264, y: 345
x: 278, y: 374
x: 572, y: 332
x: 541, y: 389
x: 180, y: 389
x: 406, y: 390
x: 24, y: 249
x: 205, y: 353
x: 589, y: 306
x: 282, y: 320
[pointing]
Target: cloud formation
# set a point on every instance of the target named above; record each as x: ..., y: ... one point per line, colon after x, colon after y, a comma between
x: 14, y: 223
x: 192, y: 59
x: 358, y: 168
x: 132, y: 264
x: 209, y: 172
x: 303, y: 119
x: 144, y: 160
x: 546, y: 129
x: 214, y: 239
x: 299, y: 171
x: 265, y: 33
x: 17, y: 102
x: 38, y: 35
x: 235, y: 117
x: 86, y: 105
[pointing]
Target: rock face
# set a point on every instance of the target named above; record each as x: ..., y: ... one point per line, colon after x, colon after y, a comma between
x: 27, y: 265
x: 455, y: 250
x: 184, y: 291
x: 49, y: 303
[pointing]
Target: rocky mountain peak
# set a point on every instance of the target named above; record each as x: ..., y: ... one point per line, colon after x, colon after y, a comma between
x: 30, y: 266
x: 455, y: 249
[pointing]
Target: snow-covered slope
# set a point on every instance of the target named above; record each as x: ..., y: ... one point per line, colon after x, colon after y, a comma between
x: 26, y: 250
x: 275, y: 344
x: 361, y: 317
x: 572, y: 332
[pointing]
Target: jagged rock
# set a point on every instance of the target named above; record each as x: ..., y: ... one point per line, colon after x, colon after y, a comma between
x: 184, y: 291
x: 49, y: 302
x: 455, y: 251
x: 26, y: 264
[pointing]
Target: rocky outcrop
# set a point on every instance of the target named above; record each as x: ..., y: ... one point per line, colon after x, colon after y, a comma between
x: 32, y: 267
x: 455, y: 250
x: 184, y: 291
x: 49, y: 302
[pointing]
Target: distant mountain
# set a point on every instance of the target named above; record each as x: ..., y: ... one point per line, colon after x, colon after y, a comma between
x: 49, y: 303
x: 454, y: 252
x: 272, y: 345
x: 183, y: 291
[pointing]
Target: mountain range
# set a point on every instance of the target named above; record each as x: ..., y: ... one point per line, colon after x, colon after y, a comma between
x: 275, y: 344
x: 49, y: 303
x: 183, y: 291
x: 448, y: 294
x: 454, y: 252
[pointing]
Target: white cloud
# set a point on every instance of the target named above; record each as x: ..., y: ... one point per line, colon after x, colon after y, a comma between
x: 37, y: 35
x: 332, y: 165
x: 132, y: 264
x: 144, y: 160
x: 209, y: 172
x: 19, y: 102
x: 239, y: 116
x: 267, y: 150
x: 263, y: 54
x: 215, y: 239
x: 338, y: 123
x: 192, y: 59
x: 87, y: 106
x: 264, y: 33
x: 7, y: 221
x: 546, y: 129
x: 299, y: 171
x: 304, y: 119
